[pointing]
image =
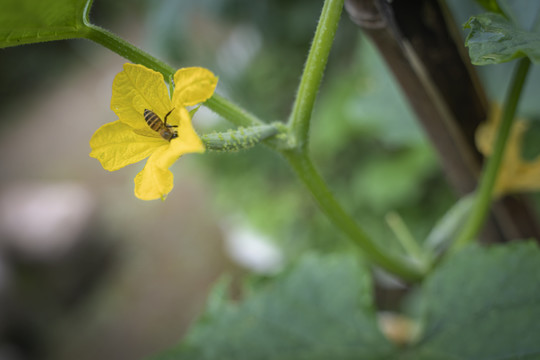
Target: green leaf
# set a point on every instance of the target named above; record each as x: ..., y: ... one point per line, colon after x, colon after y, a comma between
x: 31, y: 21
x: 322, y: 309
x: 483, y: 303
x: 494, y: 39
x: 386, y: 182
x: 530, y: 149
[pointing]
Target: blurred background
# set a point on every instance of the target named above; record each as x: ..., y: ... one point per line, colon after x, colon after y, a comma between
x: 88, y: 271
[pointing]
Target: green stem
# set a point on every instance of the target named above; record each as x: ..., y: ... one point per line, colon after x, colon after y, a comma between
x: 406, y: 239
x: 216, y: 103
x: 484, y: 195
x: 314, y: 69
x: 299, y: 122
x: 307, y: 173
x: 127, y: 50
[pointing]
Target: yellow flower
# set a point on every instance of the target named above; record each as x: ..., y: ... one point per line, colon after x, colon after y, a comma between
x: 516, y: 174
x: 130, y: 139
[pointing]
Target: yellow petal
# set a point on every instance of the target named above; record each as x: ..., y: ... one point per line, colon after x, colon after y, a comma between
x: 187, y: 141
x: 138, y: 88
x: 116, y: 145
x: 193, y: 85
x: 527, y: 178
x: 153, y: 182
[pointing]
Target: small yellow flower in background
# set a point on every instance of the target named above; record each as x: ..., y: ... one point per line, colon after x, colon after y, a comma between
x: 131, y: 139
x: 516, y: 174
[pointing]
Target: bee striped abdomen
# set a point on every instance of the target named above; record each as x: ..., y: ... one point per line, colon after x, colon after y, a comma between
x: 161, y: 127
x: 153, y: 120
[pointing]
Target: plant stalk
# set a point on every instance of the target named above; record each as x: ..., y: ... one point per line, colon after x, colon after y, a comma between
x: 484, y: 196
x: 313, y: 70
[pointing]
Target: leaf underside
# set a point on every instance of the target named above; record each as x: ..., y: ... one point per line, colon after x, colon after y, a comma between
x: 31, y: 21
x: 494, y: 39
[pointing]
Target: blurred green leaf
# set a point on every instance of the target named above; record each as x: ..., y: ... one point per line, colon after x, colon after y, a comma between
x: 483, y: 303
x: 321, y: 309
x: 531, y: 146
x: 494, y: 39
x: 31, y: 21
x: 363, y: 101
x: 385, y: 183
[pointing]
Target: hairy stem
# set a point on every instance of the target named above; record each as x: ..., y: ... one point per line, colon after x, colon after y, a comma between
x: 314, y: 69
x: 127, y: 50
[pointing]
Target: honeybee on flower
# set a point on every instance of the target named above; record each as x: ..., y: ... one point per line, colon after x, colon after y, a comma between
x: 137, y: 93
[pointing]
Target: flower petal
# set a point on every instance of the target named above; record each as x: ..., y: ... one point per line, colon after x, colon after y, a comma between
x: 153, y: 182
x: 193, y: 85
x: 116, y: 145
x: 527, y: 178
x: 138, y: 88
x: 187, y: 141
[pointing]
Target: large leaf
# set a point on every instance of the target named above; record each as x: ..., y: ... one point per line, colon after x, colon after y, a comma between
x: 320, y: 310
x: 30, y: 21
x: 494, y: 39
x: 483, y: 304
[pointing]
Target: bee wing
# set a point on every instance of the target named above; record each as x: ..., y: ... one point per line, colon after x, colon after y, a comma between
x: 147, y: 132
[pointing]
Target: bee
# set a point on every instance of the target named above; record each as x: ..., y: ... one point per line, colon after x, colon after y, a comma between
x: 161, y: 127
